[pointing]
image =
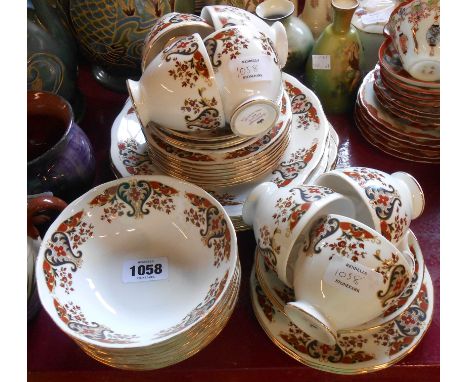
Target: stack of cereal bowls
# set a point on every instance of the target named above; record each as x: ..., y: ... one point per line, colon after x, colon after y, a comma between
x: 398, y: 105
x: 211, y: 100
x: 339, y: 281
x: 141, y: 272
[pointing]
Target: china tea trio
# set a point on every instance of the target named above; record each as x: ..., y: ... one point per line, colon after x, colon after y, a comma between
x: 215, y: 139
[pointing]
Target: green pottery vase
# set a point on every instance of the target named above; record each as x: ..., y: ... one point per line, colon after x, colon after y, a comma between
x: 334, y: 69
x: 300, y: 39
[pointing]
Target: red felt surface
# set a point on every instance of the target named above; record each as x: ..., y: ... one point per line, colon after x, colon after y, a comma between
x: 242, y: 351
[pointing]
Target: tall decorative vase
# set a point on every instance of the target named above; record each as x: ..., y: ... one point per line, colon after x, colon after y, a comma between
x: 300, y: 39
x: 334, y: 68
x: 317, y: 14
x: 111, y: 34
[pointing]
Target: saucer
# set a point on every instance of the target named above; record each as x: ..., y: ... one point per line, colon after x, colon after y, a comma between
x: 280, y: 294
x: 308, y: 145
x: 355, y: 353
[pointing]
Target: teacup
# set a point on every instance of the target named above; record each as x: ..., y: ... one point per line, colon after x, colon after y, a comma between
x: 345, y: 275
x: 386, y: 203
x: 415, y: 31
x: 221, y: 16
x: 248, y: 74
x: 178, y: 89
x: 168, y: 28
x: 281, y: 219
x: 60, y: 155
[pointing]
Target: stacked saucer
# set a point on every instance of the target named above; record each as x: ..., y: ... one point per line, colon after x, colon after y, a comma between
x: 311, y: 150
x: 373, y: 346
x: 132, y: 296
x: 398, y: 113
x: 219, y: 158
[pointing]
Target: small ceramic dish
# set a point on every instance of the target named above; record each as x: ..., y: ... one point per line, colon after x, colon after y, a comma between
x: 136, y: 262
x: 169, y: 27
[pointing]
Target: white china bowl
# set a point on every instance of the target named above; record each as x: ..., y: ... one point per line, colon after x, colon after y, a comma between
x: 136, y: 221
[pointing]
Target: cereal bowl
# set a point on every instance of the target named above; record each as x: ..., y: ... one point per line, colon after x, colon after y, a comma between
x: 136, y: 262
x: 167, y: 29
x: 178, y: 89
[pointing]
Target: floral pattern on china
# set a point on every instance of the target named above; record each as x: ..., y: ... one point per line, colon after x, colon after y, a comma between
x: 308, y: 137
x: 65, y: 254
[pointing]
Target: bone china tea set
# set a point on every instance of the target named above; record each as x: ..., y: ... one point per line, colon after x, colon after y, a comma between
x: 215, y: 139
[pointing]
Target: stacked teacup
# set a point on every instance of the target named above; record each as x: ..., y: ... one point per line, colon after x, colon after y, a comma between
x: 211, y: 100
x: 398, y: 105
x: 341, y: 244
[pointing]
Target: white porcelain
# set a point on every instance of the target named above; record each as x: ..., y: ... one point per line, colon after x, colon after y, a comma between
x: 221, y: 16
x: 282, y: 217
x: 386, y: 203
x: 178, y: 77
x: 364, y: 351
x: 84, y: 264
x: 301, y: 162
x: 345, y: 266
x: 280, y: 294
x: 415, y: 31
x: 248, y: 75
x: 169, y: 27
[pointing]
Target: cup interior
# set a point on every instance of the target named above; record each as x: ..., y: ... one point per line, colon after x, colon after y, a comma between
x: 343, y: 186
x: 48, y: 118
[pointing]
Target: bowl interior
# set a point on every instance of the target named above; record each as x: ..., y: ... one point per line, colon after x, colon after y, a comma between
x: 98, y: 265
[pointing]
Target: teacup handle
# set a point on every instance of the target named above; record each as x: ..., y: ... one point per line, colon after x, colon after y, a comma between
x: 281, y: 43
x: 410, y: 259
x: 37, y: 207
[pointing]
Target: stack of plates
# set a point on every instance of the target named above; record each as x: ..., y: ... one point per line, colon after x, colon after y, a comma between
x: 373, y: 346
x: 311, y: 149
x: 397, y: 113
x: 222, y: 159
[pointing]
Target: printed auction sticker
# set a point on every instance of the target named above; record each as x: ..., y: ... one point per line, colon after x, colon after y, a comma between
x: 256, y: 68
x: 352, y: 277
x: 321, y: 61
x: 134, y: 271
